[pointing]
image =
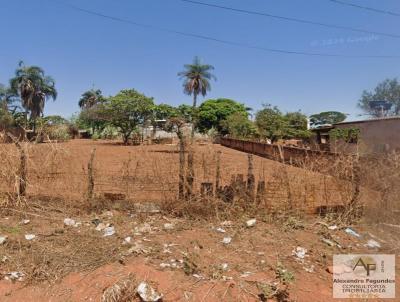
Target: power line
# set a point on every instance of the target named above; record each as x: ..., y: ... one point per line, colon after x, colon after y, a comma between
x: 375, y: 10
x: 263, y: 14
x: 226, y: 42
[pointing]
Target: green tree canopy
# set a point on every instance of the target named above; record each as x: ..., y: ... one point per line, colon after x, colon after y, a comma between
x: 273, y: 124
x: 92, y: 118
x: 211, y: 113
x: 238, y: 125
x: 8, y: 98
x: 185, y: 112
x: 127, y: 110
x: 296, y: 125
x: 389, y: 91
x: 10, y: 114
x: 327, y: 117
x: 165, y: 111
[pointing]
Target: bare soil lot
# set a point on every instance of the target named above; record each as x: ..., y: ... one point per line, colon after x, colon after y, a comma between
x: 185, y: 262
x: 180, y: 253
x: 150, y: 173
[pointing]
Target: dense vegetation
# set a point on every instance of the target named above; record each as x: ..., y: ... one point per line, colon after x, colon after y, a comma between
x: 124, y: 114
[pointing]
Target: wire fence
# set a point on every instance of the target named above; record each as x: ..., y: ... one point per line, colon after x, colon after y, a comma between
x: 150, y: 173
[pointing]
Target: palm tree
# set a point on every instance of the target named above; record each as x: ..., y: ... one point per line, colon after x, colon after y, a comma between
x: 90, y: 98
x: 196, y: 79
x: 34, y: 88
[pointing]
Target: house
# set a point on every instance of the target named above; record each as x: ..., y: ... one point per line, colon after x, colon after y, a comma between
x: 370, y: 136
x: 322, y: 138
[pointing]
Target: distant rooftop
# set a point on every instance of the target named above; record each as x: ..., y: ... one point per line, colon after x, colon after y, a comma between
x: 370, y: 120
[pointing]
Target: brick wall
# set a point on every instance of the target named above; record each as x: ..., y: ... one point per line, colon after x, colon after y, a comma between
x: 291, y: 155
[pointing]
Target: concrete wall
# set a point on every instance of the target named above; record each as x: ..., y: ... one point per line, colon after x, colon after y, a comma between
x: 376, y: 136
x: 291, y: 155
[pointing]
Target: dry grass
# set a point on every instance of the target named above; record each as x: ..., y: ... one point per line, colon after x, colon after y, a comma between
x: 150, y: 173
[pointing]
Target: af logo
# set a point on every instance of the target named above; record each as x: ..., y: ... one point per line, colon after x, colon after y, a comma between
x: 362, y: 265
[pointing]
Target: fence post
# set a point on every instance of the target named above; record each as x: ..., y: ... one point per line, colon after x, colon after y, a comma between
x: 250, y: 178
x: 190, y: 175
x: 181, y: 186
x: 218, y: 173
x: 353, y: 209
x: 261, y: 191
x: 22, y: 170
x: 91, y: 175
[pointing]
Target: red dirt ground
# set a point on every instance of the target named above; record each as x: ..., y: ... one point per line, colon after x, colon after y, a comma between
x: 78, y: 263
x: 256, y: 250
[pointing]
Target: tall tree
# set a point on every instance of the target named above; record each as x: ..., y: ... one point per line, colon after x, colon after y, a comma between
x: 387, y: 91
x: 238, y: 125
x: 34, y: 88
x: 90, y: 98
x: 273, y: 124
x: 327, y: 117
x: 196, y: 80
x: 127, y: 110
x: 212, y: 112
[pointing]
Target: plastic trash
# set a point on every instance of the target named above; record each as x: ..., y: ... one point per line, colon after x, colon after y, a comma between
x: 147, y: 293
x: 224, y: 266
x: 30, y: 236
x: 246, y: 274
x: 220, y: 230
x: 372, y: 244
x: 227, y: 240
x: 3, y: 239
x: 299, y: 252
x: 168, y: 226
x: 328, y: 242
x: 332, y: 227
x: 14, y: 276
x: 70, y: 222
x: 127, y: 240
x: 109, y: 231
x: 352, y: 232
x: 250, y: 223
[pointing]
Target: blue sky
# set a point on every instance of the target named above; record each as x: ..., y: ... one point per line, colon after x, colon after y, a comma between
x: 81, y: 50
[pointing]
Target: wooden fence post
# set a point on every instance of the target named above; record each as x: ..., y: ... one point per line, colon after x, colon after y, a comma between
x: 261, y: 191
x: 218, y: 173
x: 190, y: 175
x: 91, y: 175
x: 181, y: 185
x: 250, y: 178
x: 22, y: 170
